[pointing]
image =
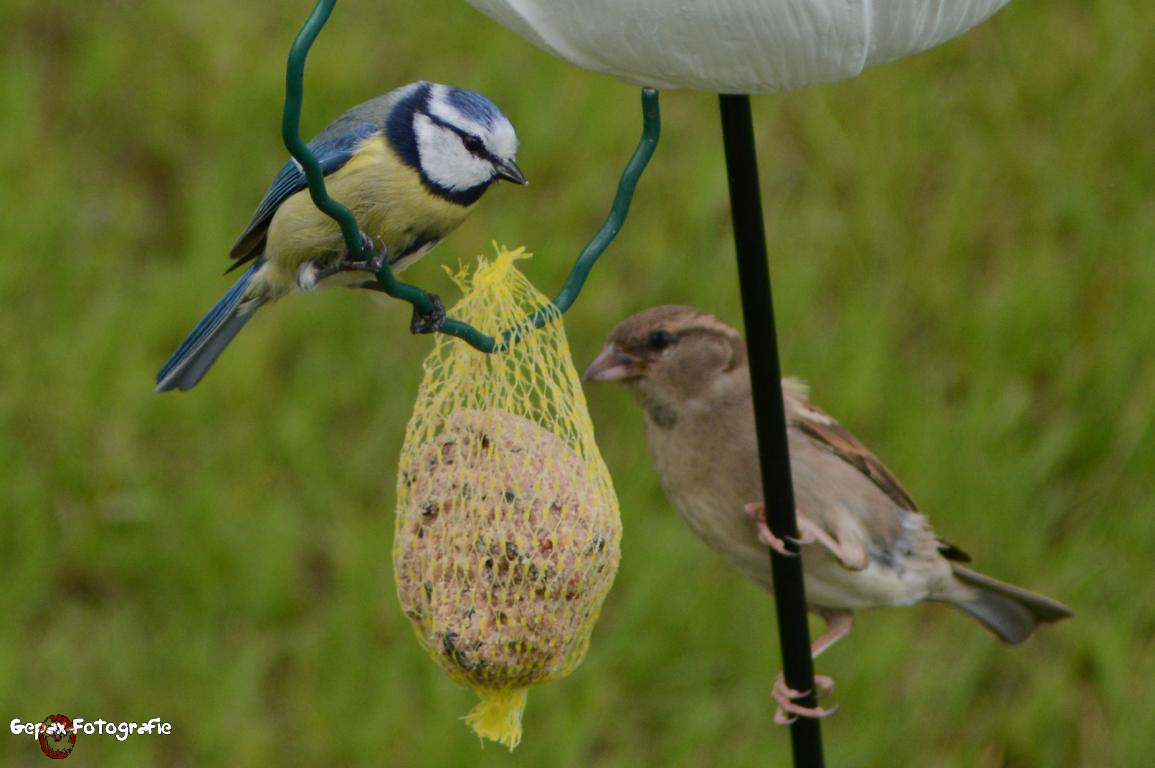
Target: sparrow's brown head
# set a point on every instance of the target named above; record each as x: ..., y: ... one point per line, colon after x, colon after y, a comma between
x: 672, y: 352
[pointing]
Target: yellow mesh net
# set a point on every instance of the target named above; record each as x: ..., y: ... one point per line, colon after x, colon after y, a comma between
x: 507, y: 533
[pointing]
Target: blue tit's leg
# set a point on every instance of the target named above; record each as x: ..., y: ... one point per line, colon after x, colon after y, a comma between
x: 379, y: 254
x: 432, y: 322
x: 346, y: 263
x: 421, y: 323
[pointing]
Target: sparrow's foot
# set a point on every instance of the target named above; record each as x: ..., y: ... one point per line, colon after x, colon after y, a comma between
x: 431, y: 322
x: 809, y: 532
x: 757, y: 511
x: 790, y: 710
x: 823, y: 686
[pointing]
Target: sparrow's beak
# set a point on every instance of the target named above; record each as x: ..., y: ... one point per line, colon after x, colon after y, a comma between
x: 613, y: 365
x: 507, y: 169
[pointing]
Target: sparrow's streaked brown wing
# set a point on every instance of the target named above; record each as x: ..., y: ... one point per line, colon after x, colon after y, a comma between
x: 820, y: 427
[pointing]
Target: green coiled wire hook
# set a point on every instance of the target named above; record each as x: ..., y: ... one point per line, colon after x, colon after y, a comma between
x: 421, y: 300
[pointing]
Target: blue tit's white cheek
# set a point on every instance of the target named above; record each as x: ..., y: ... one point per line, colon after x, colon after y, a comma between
x: 503, y: 141
x: 444, y: 159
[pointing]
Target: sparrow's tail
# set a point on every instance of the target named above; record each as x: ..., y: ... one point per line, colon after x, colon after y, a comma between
x: 1010, y: 612
x: 204, y: 345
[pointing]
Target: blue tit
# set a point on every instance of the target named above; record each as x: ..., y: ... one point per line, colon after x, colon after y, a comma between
x: 410, y: 165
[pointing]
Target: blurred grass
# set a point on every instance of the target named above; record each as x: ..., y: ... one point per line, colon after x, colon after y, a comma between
x: 962, y: 249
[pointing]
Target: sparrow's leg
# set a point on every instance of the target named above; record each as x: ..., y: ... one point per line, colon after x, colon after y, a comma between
x: 838, y: 623
x: 809, y: 533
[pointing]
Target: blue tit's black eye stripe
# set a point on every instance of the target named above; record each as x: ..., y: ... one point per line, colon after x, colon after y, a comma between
x: 472, y: 143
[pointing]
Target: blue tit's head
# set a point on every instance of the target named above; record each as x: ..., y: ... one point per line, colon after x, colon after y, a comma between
x: 458, y: 140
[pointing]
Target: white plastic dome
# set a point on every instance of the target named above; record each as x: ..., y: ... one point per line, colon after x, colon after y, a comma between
x: 735, y: 46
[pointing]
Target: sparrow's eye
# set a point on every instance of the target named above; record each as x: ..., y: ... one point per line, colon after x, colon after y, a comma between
x: 473, y: 144
x: 660, y: 339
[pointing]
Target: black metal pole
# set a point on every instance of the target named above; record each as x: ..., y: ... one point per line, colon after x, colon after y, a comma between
x: 769, y: 413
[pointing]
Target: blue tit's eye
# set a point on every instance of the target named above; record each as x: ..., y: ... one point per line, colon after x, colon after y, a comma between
x: 660, y: 339
x: 473, y: 144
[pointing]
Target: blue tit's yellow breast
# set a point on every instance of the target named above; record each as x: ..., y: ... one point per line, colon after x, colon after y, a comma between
x: 388, y: 199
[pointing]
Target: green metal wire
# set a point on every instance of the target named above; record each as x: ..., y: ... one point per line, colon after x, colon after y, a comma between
x: 651, y: 131
x: 291, y: 135
x: 421, y: 300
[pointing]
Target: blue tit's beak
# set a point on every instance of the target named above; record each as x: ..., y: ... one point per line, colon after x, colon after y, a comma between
x: 613, y: 365
x: 508, y: 170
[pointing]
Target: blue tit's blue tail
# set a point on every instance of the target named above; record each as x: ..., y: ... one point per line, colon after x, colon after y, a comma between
x: 204, y: 345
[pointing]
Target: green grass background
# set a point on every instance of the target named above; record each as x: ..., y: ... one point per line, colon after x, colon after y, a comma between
x: 962, y: 249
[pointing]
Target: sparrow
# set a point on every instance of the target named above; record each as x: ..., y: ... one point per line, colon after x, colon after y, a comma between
x: 864, y: 542
x: 410, y: 165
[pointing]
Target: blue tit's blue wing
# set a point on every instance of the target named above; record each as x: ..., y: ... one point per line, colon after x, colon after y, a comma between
x: 332, y: 148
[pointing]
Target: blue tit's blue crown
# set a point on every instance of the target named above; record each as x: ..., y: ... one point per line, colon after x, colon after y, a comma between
x: 475, y: 107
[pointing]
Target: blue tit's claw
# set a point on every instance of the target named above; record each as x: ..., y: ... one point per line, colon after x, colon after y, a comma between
x: 374, y: 246
x: 372, y: 264
x: 366, y: 244
x: 377, y: 254
x: 432, y: 322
